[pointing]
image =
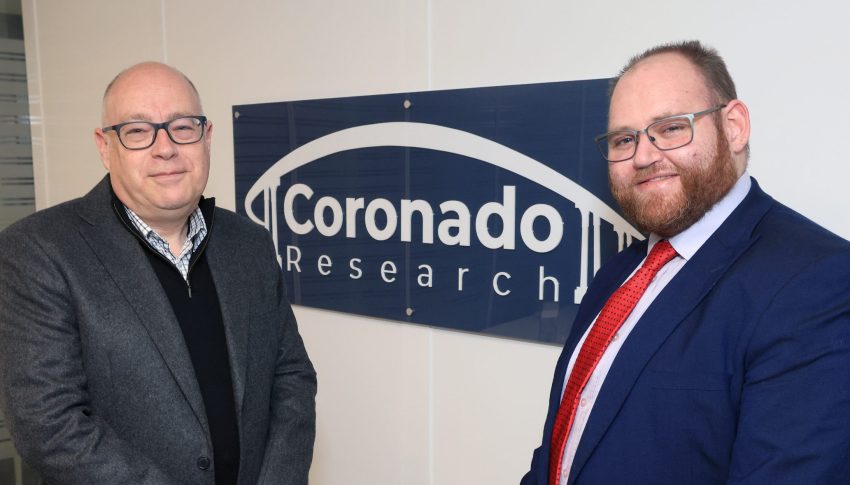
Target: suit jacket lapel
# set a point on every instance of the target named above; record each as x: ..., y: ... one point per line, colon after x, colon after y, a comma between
x: 234, y: 310
x: 672, y: 305
x: 126, y: 264
x: 603, y: 285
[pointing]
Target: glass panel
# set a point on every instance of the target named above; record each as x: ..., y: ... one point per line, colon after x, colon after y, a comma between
x: 17, y: 194
x: 7, y: 470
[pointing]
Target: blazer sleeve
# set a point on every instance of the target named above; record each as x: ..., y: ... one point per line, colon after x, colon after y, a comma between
x: 43, y: 384
x: 292, y: 427
x: 794, y: 421
x: 537, y: 461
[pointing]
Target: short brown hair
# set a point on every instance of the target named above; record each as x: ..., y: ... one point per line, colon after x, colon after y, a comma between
x: 704, y: 58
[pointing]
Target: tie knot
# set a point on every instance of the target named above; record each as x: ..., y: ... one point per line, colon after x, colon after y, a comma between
x: 660, y: 255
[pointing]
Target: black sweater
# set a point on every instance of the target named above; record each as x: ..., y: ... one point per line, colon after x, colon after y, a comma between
x: 198, y: 311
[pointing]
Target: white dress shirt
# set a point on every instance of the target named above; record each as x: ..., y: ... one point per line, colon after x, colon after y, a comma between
x: 686, y: 244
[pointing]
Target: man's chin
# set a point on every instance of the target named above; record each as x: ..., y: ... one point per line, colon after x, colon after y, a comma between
x: 177, y: 205
x: 657, y: 214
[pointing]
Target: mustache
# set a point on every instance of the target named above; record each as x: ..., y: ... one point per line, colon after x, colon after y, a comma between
x: 645, y: 173
x: 653, y: 170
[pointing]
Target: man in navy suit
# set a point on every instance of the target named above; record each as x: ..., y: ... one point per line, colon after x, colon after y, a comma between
x: 734, y: 364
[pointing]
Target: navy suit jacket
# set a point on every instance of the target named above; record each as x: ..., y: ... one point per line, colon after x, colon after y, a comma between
x: 738, y: 372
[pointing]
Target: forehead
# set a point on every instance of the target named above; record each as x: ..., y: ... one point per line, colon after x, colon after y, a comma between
x: 659, y: 86
x: 154, y: 93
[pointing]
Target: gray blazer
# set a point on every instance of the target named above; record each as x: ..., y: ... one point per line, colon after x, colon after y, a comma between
x: 95, y: 379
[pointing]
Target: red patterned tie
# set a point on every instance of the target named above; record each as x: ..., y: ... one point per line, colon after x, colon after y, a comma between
x: 609, y: 321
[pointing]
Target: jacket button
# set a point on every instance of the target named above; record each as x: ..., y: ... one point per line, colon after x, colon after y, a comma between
x: 203, y: 463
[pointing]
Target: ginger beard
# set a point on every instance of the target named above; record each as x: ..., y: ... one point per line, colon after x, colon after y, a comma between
x: 703, y: 183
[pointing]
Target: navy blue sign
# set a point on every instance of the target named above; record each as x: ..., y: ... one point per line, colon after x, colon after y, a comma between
x: 484, y: 210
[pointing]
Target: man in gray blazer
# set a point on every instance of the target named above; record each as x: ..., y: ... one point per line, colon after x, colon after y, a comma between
x: 145, y: 336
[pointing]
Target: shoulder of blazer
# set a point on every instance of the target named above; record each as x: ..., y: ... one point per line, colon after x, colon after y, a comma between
x: 53, y: 224
x: 234, y: 233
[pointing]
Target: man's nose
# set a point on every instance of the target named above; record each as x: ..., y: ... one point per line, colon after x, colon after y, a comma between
x: 162, y: 144
x: 646, y: 153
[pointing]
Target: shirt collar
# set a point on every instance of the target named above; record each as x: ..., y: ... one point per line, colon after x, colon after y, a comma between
x: 688, y: 242
x: 197, y: 228
x: 196, y: 231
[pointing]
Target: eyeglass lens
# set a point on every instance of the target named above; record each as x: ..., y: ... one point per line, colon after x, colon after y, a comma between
x: 141, y: 134
x: 665, y: 134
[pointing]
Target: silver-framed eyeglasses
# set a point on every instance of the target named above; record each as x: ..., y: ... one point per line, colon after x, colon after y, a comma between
x: 138, y: 135
x: 666, y: 134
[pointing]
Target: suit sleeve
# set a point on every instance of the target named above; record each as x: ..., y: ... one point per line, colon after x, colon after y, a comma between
x: 292, y: 428
x: 539, y: 470
x: 43, y: 385
x: 537, y: 461
x: 794, y: 422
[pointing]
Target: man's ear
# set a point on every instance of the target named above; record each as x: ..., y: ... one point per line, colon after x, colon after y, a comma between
x: 102, y: 147
x: 736, y: 124
x: 208, y: 134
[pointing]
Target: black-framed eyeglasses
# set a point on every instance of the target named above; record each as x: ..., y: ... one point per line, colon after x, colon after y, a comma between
x: 666, y: 134
x: 138, y: 135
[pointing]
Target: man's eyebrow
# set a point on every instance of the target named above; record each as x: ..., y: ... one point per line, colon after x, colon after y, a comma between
x: 666, y: 114
x: 181, y: 114
x: 171, y: 116
x: 138, y: 117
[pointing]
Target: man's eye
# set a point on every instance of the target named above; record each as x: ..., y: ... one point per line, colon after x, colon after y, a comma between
x: 673, y: 129
x: 622, y: 140
x: 136, y: 129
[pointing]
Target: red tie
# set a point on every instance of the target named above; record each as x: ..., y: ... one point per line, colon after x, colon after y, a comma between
x: 609, y: 321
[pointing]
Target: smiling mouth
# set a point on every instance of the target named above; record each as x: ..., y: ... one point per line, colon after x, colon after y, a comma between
x: 657, y: 178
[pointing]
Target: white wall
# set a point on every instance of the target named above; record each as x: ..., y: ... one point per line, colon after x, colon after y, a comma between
x: 402, y: 404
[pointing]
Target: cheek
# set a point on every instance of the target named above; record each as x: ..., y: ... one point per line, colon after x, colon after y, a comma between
x: 691, y: 156
x: 202, y: 166
x: 113, y: 160
x: 134, y: 172
x: 619, y: 174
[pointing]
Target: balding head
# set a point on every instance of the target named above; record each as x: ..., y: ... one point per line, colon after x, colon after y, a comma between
x: 143, y: 69
x: 705, y: 60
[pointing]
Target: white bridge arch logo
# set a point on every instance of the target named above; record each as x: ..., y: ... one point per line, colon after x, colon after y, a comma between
x: 448, y: 222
